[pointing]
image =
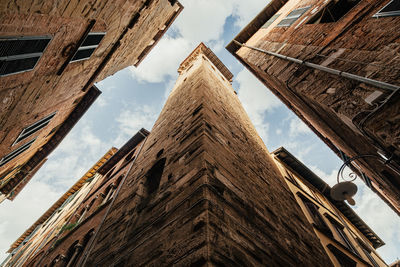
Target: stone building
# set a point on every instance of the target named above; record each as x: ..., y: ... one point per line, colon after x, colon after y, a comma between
x: 335, y: 64
x: 347, y: 240
x: 202, y: 189
x: 51, y: 54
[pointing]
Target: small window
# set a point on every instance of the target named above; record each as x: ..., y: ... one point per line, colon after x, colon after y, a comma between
x: 316, y: 216
x: 367, y: 252
x: 270, y: 21
x: 154, y: 176
x: 15, y: 153
x: 391, y: 9
x: 31, y: 129
x: 88, y: 46
x: 292, y: 17
x: 344, y: 238
x: 333, y: 11
x: 342, y: 258
x: 19, y: 54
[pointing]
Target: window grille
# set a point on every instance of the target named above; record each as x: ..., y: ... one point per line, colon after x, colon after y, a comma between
x: 270, y: 21
x: 20, y: 54
x: 16, y: 153
x: 293, y: 16
x: 31, y: 129
x: 88, y: 46
x: 391, y: 9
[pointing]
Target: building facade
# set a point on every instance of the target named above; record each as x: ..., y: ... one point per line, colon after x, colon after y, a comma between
x: 335, y: 64
x: 59, y: 237
x: 51, y: 54
x: 201, y: 190
x: 347, y: 240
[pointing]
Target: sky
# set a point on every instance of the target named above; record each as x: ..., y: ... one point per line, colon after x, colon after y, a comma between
x: 133, y: 98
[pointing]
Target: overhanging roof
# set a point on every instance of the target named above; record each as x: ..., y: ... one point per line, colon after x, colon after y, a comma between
x: 128, y: 146
x: 60, y: 201
x: 305, y: 173
x: 251, y: 28
x: 80, y: 109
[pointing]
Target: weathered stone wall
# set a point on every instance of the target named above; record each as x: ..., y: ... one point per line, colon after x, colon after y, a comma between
x: 220, y: 198
x: 336, y: 106
x: 30, y: 96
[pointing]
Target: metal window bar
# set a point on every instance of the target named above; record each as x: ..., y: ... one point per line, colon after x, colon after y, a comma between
x: 20, y: 54
x: 270, y: 21
x: 293, y: 16
x: 16, y: 152
x: 389, y: 10
x: 33, y: 128
x: 88, y: 46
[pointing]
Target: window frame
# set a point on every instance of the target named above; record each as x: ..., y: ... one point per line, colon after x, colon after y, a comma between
x: 290, y: 17
x: 386, y: 14
x: 87, y: 47
x: 25, y: 55
x: 16, y: 152
x: 37, y: 126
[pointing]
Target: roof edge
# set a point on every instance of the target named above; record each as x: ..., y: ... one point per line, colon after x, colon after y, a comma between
x: 325, y: 189
x: 254, y: 25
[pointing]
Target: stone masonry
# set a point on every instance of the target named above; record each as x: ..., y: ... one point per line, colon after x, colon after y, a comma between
x: 351, y: 117
x: 204, y: 190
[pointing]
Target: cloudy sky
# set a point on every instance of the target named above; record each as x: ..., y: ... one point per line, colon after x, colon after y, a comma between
x: 133, y: 98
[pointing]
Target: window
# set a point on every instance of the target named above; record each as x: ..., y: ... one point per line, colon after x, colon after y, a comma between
x: 15, y: 153
x: 154, y: 176
x: 28, y: 131
x: 292, y: 17
x: 270, y: 21
x: 316, y: 216
x: 391, y: 9
x: 333, y: 11
x: 88, y: 46
x: 342, y: 258
x: 19, y: 54
x: 345, y: 240
x: 367, y: 253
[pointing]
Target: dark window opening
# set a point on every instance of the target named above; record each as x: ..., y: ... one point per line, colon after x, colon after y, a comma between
x: 15, y: 153
x: 316, y: 216
x: 367, y: 253
x: 33, y: 128
x: 160, y: 153
x: 333, y: 11
x: 88, y: 46
x: 344, y: 238
x: 391, y: 9
x: 292, y: 17
x: 153, y: 176
x: 21, y: 54
x: 342, y: 258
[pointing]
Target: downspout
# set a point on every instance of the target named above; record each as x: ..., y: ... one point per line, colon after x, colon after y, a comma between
x: 83, y: 260
x: 376, y: 83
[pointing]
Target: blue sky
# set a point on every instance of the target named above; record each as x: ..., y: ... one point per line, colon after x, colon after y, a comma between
x: 133, y: 98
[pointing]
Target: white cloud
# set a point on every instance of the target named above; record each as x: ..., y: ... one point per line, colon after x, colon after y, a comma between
x: 200, y: 21
x: 298, y: 127
x: 163, y: 60
x: 256, y: 100
x: 20, y: 214
x: 131, y: 121
x: 245, y: 11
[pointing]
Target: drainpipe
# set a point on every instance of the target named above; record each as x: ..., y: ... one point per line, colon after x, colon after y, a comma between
x: 348, y: 75
x: 379, y: 84
x: 84, y: 258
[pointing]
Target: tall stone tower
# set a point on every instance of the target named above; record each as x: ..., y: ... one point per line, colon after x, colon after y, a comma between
x: 204, y: 190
